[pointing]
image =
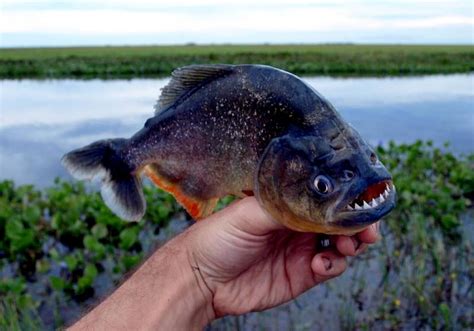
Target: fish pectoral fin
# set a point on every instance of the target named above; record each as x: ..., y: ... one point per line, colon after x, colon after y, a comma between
x: 197, y: 208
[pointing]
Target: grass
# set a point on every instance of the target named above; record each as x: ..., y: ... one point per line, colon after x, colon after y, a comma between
x: 154, y: 61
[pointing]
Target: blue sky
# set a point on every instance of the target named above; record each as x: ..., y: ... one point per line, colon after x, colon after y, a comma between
x: 121, y: 22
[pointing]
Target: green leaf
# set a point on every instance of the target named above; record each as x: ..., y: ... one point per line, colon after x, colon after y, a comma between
x: 84, y: 282
x: 57, y: 283
x: 71, y: 262
x: 99, y: 231
x: 129, y: 261
x: 90, y: 242
x: 16, y: 286
x: 91, y: 271
x: 14, y: 228
x: 449, y: 221
x: 20, y: 238
x: 128, y: 237
x: 56, y: 222
x: 87, y: 279
x: 32, y: 214
x: 93, y: 245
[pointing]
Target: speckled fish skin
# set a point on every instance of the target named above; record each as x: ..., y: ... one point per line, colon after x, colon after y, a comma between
x: 223, y: 130
x: 216, y: 135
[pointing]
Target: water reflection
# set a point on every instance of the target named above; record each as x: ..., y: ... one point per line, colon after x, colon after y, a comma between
x: 40, y: 120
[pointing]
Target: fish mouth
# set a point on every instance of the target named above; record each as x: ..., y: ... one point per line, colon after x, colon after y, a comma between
x: 372, y: 197
x: 369, y: 206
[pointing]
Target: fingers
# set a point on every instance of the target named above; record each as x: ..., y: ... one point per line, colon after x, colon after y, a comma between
x: 326, y: 265
x: 356, y: 244
x: 348, y: 246
x: 371, y: 234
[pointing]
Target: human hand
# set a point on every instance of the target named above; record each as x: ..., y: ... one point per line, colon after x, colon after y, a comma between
x: 236, y: 261
x: 248, y: 262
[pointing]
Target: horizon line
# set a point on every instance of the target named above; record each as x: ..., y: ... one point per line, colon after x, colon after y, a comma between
x: 192, y: 44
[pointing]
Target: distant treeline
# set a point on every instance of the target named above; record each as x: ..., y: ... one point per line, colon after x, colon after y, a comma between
x: 156, y: 61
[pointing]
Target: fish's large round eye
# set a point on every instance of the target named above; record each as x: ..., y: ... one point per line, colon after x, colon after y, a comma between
x: 322, y: 184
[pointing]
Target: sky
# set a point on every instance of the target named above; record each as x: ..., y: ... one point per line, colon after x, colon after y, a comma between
x: 139, y: 22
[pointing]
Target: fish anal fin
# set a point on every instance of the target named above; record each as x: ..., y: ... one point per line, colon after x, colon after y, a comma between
x: 196, y: 207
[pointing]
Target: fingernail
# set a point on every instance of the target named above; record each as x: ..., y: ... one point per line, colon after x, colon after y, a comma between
x: 327, y: 263
x: 377, y: 231
x: 356, y: 243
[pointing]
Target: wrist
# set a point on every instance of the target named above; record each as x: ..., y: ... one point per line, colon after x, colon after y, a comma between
x: 186, y: 302
x: 165, y: 293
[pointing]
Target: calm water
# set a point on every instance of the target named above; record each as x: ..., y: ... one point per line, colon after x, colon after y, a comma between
x: 41, y: 120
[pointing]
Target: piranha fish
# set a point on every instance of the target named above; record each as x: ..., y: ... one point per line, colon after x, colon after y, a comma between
x: 244, y: 130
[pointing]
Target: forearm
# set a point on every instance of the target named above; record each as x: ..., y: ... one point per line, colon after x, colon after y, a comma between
x: 165, y: 293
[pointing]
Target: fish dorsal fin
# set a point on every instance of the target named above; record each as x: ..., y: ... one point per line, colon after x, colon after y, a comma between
x: 185, y: 79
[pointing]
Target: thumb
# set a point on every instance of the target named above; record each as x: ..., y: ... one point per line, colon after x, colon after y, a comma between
x: 247, y: 215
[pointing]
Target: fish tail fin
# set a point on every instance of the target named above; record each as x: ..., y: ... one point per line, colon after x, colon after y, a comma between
x: 121, y: 188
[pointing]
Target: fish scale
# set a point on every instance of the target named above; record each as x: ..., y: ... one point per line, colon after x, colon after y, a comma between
x: 243, y: 130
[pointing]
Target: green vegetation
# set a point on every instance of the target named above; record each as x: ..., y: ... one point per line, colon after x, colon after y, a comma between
x: 61, y: 240
x: 424, y: 248
x: 59, y: 246
x: 153, y: 61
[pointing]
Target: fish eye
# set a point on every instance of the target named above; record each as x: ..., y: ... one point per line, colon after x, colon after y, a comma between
x: 322, y: 184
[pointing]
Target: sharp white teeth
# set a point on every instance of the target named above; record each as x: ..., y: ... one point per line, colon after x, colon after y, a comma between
x: 381, y: 199
x: 375, y: 202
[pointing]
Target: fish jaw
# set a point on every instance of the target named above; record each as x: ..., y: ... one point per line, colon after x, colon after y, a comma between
x: 346, y: 219
x: 369, y: 206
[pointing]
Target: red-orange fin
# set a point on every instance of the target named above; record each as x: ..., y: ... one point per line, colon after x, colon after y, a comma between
x: 197, y: 208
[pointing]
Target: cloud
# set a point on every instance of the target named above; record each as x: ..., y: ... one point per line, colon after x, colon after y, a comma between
x: 293, y: 19
x: 228, y: 19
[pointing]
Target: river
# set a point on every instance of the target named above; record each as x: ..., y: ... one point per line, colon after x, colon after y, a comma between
x: 40, y: 120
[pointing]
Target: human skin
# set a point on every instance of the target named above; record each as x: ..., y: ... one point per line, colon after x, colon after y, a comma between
x: 236, y: 261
